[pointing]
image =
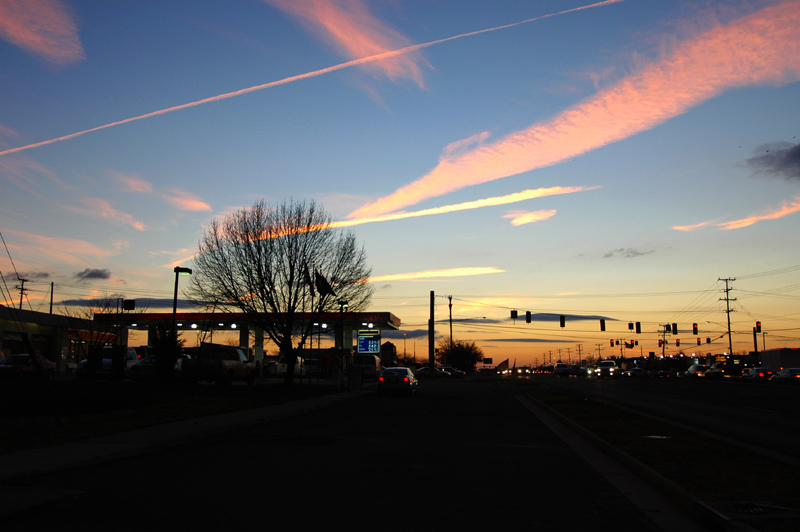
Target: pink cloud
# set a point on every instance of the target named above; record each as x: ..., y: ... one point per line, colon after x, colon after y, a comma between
x: 349, y: 26
x: 133, y: 183
x: 762, y: 48
x: 785, y: 209
x: 96, y: 207
x: 50, y: 249
x: 41, y: 27
x: 186, y: 201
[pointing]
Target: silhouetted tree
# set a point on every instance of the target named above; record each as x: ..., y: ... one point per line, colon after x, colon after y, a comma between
x: 458, y: 353
x: 272, y: 263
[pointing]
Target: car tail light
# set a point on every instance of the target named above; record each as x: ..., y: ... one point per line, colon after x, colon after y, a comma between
x: 405, y: 379
x: 380, y: 378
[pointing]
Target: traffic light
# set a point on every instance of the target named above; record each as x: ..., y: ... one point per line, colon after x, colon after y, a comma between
x: 660, y: 343
x: 677, y: 343
x: 694, y: 328
x: 708, y: 340
x: 758, y: 326
x: 612, y: 343
x: 674, y: 328
x: 527, y: 316
x: 699, y: 342
x: 638, y: 328
x: 630, y: 325
x: 513, y: 314
x: 602, y: 325
x: 563, y: 320
x: 668, y: 328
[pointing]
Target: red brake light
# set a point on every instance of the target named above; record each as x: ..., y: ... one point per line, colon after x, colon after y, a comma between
x: 380, y: 379
x: 405, y: 379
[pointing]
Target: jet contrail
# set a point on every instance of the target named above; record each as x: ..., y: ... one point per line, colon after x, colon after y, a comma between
x: 348, y: 64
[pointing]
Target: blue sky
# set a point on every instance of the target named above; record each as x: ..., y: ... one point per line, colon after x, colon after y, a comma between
x: 657, y: 140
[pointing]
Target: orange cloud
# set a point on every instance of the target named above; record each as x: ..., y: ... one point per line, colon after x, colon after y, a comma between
x: 186, y: 201
x: 433, y: 274
x: 133, y: 183
x: 476, y: 204
x: 349, y: 26
x: 784, y: 210
x: 522, y: 218
x: 689, y: 227
x: 42, y: 27
x: 758, y: 49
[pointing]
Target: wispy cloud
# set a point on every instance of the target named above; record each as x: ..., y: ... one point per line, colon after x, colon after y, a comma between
x: 688, y: 228
x: 91, y: 274
x: 786, y: 208
x: 100, y: 208
x: 186, y: 201
x: 133, y: 183
x: 522, y: 218
x: 628, y: 253
x: 476, y: 204
x: 381, y: 57
x: 51, y: 249
x: 758, y: 49
x: 349, y: 26
x: 41, y: 27
x: 435, y: 274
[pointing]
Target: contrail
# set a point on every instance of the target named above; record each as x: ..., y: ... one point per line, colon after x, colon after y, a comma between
x: 348, y: 64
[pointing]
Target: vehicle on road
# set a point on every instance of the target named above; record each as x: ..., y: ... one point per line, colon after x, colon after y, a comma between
x: 430, y: 372
x: 696, y: 370
x: 15, y: 366
x: 607, y: 369
x: 636, y: 372
x: 561, y: 369
x: 716, y: 371
x: 455, y: 372
x: 756, y: 374
x: 397, y: 380
x: 786, y: 376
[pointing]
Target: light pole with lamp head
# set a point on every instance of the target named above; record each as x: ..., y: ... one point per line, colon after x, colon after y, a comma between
x: 178, y: 272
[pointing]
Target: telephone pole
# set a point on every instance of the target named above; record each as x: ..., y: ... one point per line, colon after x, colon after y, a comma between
x: 728, y: 311
x: 21, y: 289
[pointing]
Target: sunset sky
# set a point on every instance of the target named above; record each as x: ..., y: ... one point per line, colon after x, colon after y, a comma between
x: 614, y: 160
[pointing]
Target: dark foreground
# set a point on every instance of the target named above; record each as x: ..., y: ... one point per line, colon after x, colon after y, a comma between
x: 460, y: 454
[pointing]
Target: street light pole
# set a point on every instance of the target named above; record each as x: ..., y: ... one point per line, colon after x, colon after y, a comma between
x: 178, y: 272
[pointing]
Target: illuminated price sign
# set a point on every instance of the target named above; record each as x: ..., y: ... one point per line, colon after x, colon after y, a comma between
x: 369, y: 344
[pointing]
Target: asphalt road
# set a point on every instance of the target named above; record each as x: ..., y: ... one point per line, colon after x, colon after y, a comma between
x: 762, y: 415
x: 461, y: 454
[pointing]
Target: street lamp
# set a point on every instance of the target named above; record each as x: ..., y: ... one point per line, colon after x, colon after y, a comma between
x: 178, y: 272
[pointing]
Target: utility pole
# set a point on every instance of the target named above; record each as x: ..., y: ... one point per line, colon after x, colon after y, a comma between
x: 728, y: 311
x: 21, y: 289
x: 450, y: 304
x: 431, y: 334
x: 578, y: 348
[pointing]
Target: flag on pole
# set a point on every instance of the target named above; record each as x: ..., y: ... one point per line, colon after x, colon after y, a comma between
x: 323, y: 286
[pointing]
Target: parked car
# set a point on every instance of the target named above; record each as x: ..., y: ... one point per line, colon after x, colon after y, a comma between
x: 370, y: 365
x: 222, y: 364
x: 400, y: 380
x: 786, y: 376
x: 108, y: 361
x: 15, y: 366
x: 696, y: 370
x: 146, y: 368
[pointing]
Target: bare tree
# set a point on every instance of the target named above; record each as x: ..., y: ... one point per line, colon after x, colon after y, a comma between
x: 265, y: 262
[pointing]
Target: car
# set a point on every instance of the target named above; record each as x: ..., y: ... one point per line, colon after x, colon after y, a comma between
x: 369, y: 365
x: 716, y: 371
x: 561, y: 370
x: 786, y: 376
x: 607, y: 368
x: 455, y: 372
x: 109, y: 361
x: 636, y: 372
x: 666, y: 374
x: 756, y: 374
x: 147, y: 369
x: 15, y: 366
x: 397, y: 380
x: 430, y: 372
x: 696, y: 370
x: 222, y: 364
